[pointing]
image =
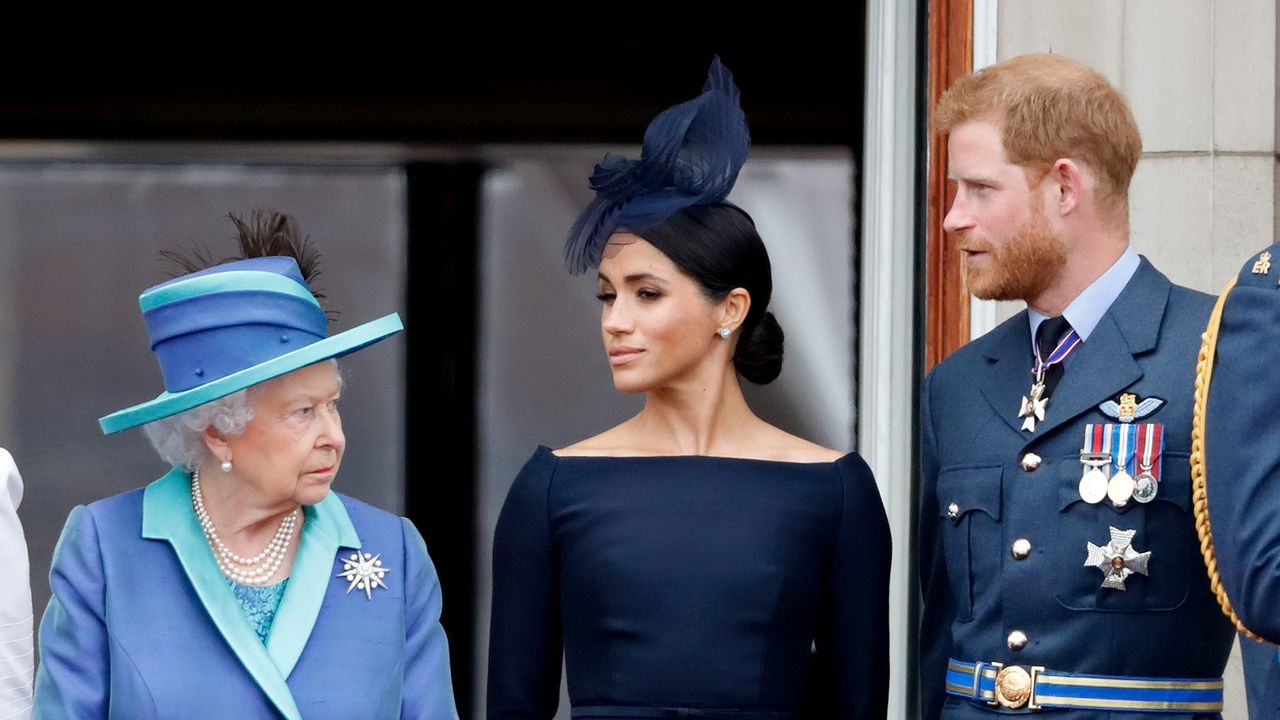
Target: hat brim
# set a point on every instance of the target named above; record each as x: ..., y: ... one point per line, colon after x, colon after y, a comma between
x: 168, y: 403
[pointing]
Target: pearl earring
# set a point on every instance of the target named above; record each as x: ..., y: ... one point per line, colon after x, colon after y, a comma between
x: 725, y: 333
x: 226, y: 466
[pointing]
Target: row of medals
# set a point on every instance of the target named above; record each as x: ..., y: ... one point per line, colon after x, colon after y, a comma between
x: 1120, y: 487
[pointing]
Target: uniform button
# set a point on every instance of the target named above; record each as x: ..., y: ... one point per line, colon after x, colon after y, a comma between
x: 1020, y: 549
x: 1017, y: 640
x: 1030, y: 461
x: 953, y: 510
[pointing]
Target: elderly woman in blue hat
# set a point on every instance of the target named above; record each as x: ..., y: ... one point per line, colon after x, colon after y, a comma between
x: 688, y: 562
x: 238, y: 584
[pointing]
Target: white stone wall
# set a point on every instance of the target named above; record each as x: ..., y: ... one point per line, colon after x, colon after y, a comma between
x: 1201, y: 78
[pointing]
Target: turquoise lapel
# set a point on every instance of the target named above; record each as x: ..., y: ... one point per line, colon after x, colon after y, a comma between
x: 326, y: 528
x: 167, y: 515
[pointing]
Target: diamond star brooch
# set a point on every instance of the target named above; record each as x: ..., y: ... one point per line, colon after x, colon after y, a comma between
x: 364, y: 571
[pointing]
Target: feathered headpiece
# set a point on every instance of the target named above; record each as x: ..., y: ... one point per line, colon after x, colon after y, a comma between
x: 692, y: 154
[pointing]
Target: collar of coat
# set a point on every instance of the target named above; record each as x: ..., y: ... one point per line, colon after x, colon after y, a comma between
x: 167, y: 515
x: 1102, y: 367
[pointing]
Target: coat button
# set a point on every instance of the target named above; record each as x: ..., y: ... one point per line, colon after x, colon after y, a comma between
x: 1030, y: 461
x: 1020, y: 549
x: 1017, y: 640
x: 953, y: 510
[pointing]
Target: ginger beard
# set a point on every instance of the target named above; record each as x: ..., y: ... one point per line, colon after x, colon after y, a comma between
x: 1019, y: 267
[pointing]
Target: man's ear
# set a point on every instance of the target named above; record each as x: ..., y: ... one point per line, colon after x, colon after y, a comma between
x: 1069, y: 182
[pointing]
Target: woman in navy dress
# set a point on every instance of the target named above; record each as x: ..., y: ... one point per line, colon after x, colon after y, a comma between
x: 693, y: 561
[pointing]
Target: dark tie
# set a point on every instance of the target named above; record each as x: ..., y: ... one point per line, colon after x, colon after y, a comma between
x: 1048, y: 335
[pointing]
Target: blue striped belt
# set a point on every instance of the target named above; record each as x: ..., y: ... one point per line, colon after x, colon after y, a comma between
x: 1015, y: 687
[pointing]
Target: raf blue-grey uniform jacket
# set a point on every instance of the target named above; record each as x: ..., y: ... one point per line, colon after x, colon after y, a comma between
x: 1242, y: 468
x: 976, y: 593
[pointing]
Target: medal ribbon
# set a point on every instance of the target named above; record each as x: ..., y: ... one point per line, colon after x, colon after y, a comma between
x: 1097, y: 439
x: 1092, y: 439
x: 1126, y: 447
x: 1151, y: 440
x: 1066, y: 346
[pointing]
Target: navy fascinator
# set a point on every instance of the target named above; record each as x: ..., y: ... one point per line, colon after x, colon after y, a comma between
x: 691, y: 156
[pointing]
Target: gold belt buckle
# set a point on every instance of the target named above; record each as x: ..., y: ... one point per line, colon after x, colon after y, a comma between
x: 1016, y: 687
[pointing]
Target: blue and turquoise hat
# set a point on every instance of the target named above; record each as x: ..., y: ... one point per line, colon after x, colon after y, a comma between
x: 234, y: 325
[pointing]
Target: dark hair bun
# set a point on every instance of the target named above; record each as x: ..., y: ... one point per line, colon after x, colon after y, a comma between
x: 759, y: 354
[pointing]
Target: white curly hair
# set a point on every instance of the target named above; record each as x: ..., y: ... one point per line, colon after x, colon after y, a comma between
x: 178, y: 438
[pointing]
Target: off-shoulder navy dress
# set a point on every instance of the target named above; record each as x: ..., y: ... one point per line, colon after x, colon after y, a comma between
x: 699, y: 587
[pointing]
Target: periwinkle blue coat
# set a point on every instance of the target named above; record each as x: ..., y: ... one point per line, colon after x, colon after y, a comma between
x: 143, y: 626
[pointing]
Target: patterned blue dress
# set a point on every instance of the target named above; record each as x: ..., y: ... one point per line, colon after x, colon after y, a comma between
x: 259, y: 605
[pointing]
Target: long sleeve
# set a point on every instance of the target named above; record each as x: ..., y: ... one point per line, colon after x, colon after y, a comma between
x: 525, y: 641
x: 428, y: 685
x: 939, y: 613
x: 74, y: 676
x: 1242, y: 452
x: 853, y: 634
x: 17, y: 659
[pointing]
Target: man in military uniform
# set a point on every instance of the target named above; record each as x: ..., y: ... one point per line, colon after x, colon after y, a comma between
x: 1059, y: 562
x: 1237, y: 426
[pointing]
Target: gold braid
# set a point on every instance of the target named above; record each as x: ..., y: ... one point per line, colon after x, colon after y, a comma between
x: 1199, y: 492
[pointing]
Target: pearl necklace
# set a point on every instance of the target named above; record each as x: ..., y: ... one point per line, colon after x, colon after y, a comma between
x: 257, y: 570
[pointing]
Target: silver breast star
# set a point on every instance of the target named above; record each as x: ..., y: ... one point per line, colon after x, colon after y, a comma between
x: 365, y: 572
x: 1117, y: 559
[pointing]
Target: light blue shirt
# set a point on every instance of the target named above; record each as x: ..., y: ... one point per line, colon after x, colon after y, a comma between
x: 1086, y: 310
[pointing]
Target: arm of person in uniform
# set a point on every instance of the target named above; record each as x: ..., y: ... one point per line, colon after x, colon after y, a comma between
x: 939, y: 612
x: 17, y: 658
x: 428, y: 683
x: 853, y: 635
x: 525, y: 642
x: 74, y: 676
x: 1242, y: 450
